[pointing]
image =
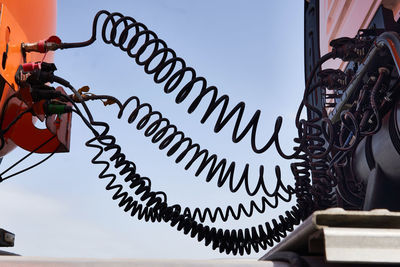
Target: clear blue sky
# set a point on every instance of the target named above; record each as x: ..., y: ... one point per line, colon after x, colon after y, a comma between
x: 251, y: 50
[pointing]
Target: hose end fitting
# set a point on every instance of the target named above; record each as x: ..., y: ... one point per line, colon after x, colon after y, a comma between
x: 51, y: 109
x: 51, y: 44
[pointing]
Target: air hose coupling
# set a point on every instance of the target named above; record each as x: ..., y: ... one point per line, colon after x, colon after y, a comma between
x: 350, y: 49
x: 333, y: 79
x: 51, y: 44
x: 51, y: 109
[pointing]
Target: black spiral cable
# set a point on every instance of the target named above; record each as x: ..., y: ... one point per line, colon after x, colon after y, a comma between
x: 169, y: 138
x: 322, y: 183
x: 161, y: 131
x: 136, y: 40
x: 153, y: 206
x: 316, y: 173
x: 167, y: 68
x: 156, y: 207
x: 311, y: 172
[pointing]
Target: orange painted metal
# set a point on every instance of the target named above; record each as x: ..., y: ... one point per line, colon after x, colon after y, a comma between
x: 28, y: 21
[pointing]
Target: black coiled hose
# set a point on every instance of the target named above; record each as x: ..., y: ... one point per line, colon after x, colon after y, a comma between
x: 159, y: 60
x: 153, y: 206
x: 169, y: 138
x: 322, y: 182
x: 167, y: 68
x: 167, y: 135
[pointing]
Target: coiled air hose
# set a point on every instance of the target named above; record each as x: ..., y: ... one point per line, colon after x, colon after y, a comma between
x: 153, y: 206
x: 171, y: 71
x: 162, y: 62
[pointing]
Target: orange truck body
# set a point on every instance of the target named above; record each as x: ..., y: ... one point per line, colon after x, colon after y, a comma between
x: 26, y: 21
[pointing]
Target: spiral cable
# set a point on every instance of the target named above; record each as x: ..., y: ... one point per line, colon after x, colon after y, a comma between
x: 312, y: 182
x: 161, y: 131
x: 153, y: 206
x: 168, y: 69
x: 322, y: 183
x: 323, y: 173
x: 137, y: 40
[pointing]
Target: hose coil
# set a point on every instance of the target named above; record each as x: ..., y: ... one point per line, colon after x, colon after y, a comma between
x: 156, y: 208
x: 162, y: 62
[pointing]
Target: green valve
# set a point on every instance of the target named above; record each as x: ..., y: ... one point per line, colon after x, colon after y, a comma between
x: 58, y: 109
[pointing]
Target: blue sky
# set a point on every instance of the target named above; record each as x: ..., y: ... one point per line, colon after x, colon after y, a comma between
x: 251, y: 50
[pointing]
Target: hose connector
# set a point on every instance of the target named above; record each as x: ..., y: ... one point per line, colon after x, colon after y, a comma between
x: 51, y: 44
x: 58, y: 109
x: 333, y: 79
x: 350, y: 49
